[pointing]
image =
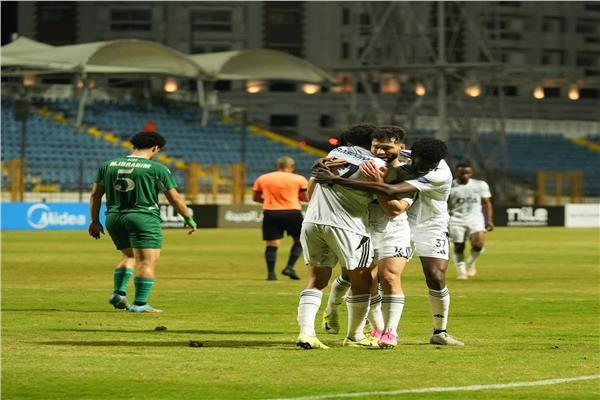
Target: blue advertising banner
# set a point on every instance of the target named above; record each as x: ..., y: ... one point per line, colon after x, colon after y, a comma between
x: 46, y: 216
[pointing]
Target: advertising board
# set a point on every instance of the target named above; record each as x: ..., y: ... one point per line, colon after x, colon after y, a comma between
x: 46, y: 216
x: 582, y: 215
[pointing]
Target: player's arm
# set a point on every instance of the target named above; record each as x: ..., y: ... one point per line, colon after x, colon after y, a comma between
x: 176, y: 201
x: 303, y: 195
x: 96, y: 227
x: 393, y: 207
x: 327, y: 163
x: 257, y: 197
x: 488, y: 211
x: 396, y: 191
x: 450, y: 205
x: 312, y: 182
x: 390, y: 206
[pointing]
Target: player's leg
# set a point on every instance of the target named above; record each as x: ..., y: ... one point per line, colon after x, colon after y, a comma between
x: 272, y: 234
x: 146, y: 240
x: 293, y: 227
x: 358, y: 306
x: 121, y: 276
x: 477, y: 243
x: 431, y: 245
x: 457, y: 235
x: 320, y: 262
x: 375, y: 321
x: 339, y: 289
x: 308, y: 306
x: 355, y: 254
x: 439, y: 300
x: 124, y: 270
x: 390, y: 273
x: 145, y: 267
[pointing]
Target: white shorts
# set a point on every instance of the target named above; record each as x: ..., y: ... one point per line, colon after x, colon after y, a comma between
x: 391, y: 244
x: 430, y: 242
x: 461, y: 230
x: 324, y: 246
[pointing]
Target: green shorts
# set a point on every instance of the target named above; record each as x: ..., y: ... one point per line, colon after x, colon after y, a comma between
x: 134, y: 230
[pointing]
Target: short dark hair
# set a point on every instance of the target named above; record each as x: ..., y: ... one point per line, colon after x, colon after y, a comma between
x: 358, y: 135
x: 389, y: 132
x: 147, y: 140
x: 464, y: 164
x: 429, y: 149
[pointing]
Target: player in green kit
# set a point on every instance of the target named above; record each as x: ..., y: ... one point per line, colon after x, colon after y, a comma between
x: 131, y: 184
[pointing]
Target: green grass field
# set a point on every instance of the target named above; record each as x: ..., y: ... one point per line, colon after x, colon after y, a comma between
x: 532, y: 313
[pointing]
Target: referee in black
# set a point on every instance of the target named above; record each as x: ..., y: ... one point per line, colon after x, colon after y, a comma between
x: 280, y: 193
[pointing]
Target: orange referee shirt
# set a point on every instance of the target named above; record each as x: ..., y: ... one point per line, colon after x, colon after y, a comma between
x: 280, y: 190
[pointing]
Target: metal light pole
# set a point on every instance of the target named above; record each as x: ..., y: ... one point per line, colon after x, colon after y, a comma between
x: 21, y: 113
x: 442, y: 132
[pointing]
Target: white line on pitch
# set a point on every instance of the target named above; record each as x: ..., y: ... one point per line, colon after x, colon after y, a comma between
x: 445, y: 389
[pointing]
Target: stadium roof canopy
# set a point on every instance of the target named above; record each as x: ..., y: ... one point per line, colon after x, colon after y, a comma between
x: 116, y: 56
x: 140, y: 56
x: 259, y: 64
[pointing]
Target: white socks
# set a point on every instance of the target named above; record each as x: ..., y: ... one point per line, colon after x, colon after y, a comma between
x: 439, y: 301
x: 339, y: 288
x: 358, y: 308
x: 375, y: 315
x: 392, y: 306
x: 474, y: 256
x: 458, y: 258
x: 310, y: 301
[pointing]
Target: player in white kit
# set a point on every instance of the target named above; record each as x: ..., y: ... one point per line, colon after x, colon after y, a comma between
x: 335, y: 230
x: 390, y: 236
x: 468, y: 219
x: 428, y: 219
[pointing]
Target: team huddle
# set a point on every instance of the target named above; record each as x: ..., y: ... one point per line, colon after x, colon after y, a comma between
x: 371, y: 204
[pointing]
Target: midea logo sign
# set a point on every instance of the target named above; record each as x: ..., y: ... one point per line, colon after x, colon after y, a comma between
x: 40, y: 216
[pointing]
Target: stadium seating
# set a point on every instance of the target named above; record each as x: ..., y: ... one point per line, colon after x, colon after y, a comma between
x: 57, y: 151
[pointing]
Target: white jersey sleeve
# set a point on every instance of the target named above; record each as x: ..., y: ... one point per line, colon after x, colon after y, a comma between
x: 430, y: 206
x: 485, y: 190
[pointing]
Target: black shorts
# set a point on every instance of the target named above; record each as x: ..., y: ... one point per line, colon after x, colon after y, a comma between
x: 276, y: 222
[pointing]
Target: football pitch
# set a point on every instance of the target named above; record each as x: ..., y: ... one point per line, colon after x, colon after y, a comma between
x: 532, y: 314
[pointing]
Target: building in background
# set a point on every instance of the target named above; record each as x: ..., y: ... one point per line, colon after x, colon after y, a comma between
x: 373, y: 48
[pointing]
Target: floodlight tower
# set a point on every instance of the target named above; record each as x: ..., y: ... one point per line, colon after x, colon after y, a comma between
x: 427, y: 39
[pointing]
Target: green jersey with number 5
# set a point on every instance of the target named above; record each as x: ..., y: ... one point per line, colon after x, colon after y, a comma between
x: 132, y: 184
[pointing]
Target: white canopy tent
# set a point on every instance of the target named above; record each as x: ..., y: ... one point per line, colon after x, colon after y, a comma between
x: 125, y: 56
x: 116, y: 56
x: 259, y: 64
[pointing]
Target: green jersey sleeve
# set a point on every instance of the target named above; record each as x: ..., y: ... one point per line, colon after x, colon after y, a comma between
x: 99, y: 177
x: 164, y: 179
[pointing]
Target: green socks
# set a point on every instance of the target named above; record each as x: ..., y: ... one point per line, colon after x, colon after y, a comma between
x: 143, y: 287
x: 121, y: 278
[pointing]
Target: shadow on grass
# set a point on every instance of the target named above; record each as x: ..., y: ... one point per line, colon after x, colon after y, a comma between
x: 236, y: 344
x: 227, y: 279
x: 186, y: 331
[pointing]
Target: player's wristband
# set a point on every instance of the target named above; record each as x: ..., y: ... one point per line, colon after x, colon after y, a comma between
x: 189, y: 220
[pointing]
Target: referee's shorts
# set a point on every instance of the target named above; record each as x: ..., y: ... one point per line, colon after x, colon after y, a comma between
x: 276, y: 222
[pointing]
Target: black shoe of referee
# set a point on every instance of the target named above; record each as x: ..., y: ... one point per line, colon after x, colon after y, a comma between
x: 288, y: 271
